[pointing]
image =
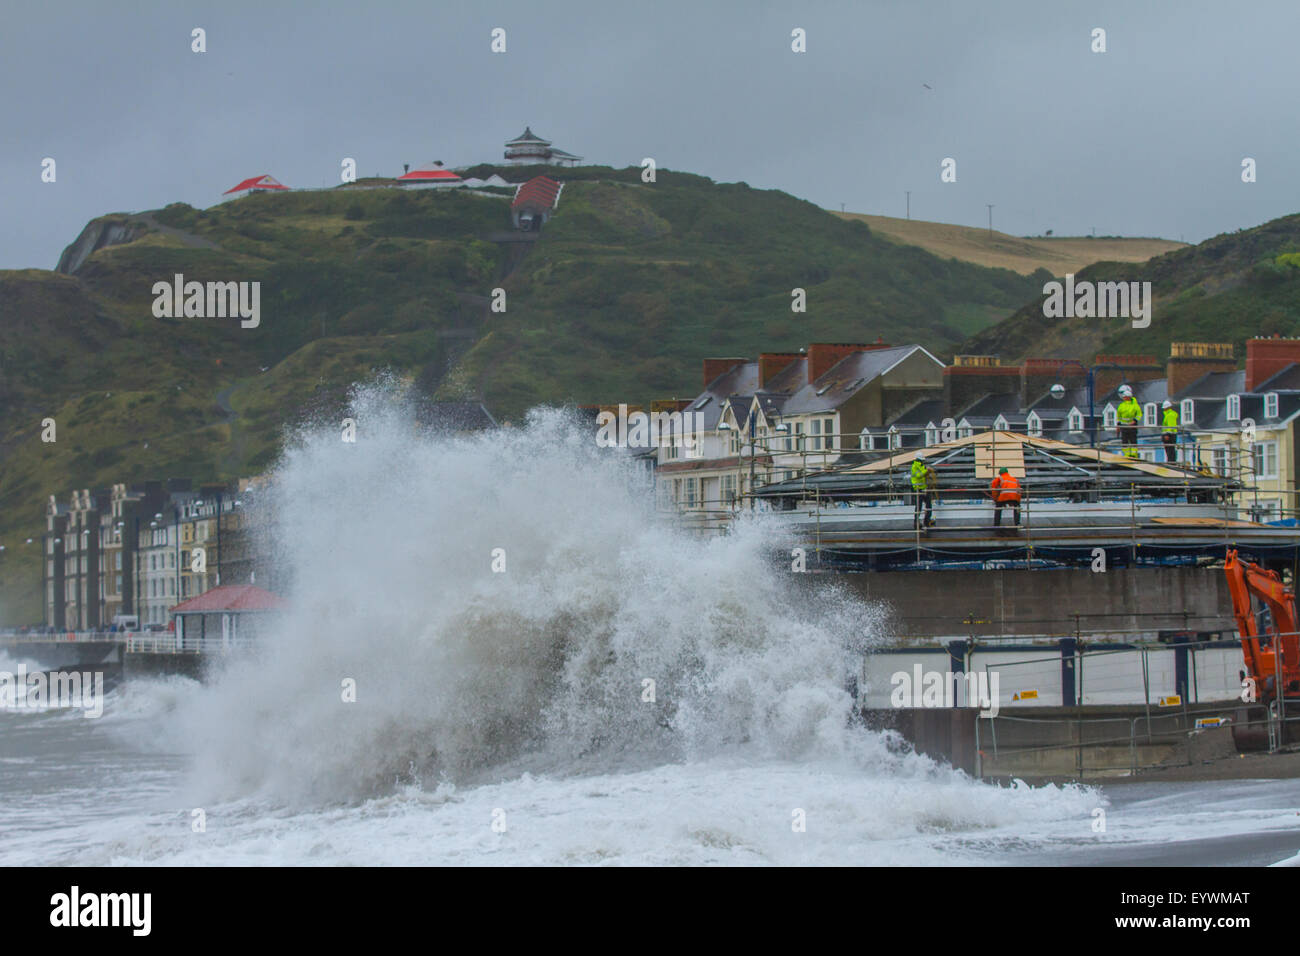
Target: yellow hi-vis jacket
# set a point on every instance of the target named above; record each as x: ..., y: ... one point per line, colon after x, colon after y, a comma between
x: 1129, y: 412
x: 920, y: 472
x: 1169, y: 421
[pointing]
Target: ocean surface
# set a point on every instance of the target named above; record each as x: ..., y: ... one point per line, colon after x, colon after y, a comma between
x: 497, y: 653
x: 75, y: 791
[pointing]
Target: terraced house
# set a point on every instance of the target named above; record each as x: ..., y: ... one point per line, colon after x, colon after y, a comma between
x: 787, y: 414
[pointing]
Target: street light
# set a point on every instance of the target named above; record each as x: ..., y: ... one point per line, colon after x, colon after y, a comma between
x: 1058, y: 392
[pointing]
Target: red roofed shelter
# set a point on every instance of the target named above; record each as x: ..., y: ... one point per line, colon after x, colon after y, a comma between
x: 534, y: 201
x: 257, y: 184
x: 225, y: 616
x: 434, y: 174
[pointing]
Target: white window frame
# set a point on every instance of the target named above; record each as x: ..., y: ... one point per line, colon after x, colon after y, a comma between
x: 1233, y: 411
x: 1074, y: 421
x: 1034, y: 424
x: 895, y: 438
x: 864, y: 440
x: 1110, y: 416
x: 931, y: 434
x: 1149, y: 414
x: 1270, y: 404
x: 1187, y: 412
x: 1262, y: 452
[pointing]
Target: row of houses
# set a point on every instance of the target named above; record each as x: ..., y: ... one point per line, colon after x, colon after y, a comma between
x: 140, y: 550
x: 788, y: 414
x: 148, y: 550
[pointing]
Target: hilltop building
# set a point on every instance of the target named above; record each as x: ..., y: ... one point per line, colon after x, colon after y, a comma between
x: 256, y: 184
x: 529, y: 149
x: 534, y: 202
x: 430, y: 174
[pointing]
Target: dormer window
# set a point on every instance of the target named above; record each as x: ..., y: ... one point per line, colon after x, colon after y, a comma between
x: 1034, y: 424
x: 1270, y: 405
x: 1234, y: 408
x: 1149, y: 414
x: 1110, y: 417
x: 895, y: 439
x: 931, y: 434
x: 864, y: 439
x: 1075, y: 420
x: 1000, y: 424
x: 1187, y: 412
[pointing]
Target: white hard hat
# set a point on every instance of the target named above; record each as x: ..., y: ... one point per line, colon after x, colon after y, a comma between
x: 1125, y: 391
x: 1167, y: 404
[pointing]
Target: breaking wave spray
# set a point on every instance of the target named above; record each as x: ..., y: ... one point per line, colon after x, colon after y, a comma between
x: 468, y: 674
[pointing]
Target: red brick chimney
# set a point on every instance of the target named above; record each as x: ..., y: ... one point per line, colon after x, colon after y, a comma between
x: 1188, y: 361
x: 1266, y: 357
x: 772, y: 364
x: 1134, y: 368
x: 821, y: 356
x: 713, y: 367
x: 971, y: 377
x: 1038, y: 375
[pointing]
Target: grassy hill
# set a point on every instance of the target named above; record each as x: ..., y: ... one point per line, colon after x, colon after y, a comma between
x: 626, y: 289
x: 1226, y: 289
x: 1023, y: 254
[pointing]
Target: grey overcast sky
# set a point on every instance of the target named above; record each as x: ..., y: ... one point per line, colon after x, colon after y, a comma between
x: 1146, y: 139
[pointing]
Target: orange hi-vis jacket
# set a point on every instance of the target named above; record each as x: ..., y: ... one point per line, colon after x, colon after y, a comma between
x: 1006, y: 488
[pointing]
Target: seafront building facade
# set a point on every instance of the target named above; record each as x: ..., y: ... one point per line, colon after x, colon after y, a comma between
x: 139, y: 550
x: 786, y: 415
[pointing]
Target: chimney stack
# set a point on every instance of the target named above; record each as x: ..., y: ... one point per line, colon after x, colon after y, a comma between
x: 822, y: 356
x: 713, y: 367
x: 1133, y: 368
x: 1188, y: 361
x: 772, y: 364
x: 970, y: 377
x: 1266, y: 357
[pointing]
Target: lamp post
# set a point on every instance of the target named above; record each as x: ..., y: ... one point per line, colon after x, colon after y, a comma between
x: 1058, y: 391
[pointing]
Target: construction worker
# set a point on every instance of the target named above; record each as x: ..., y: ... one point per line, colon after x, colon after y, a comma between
x: 1005, y: 492
x: 1169, y: 430
x: 923, y: 480
x: 1128, y: 417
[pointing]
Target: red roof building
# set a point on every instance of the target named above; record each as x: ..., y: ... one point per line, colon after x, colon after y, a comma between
x: 225, y: 617
x: 257, y: 184
x: 231, y: 597
x: 433, y: 174
x: 534, y: 201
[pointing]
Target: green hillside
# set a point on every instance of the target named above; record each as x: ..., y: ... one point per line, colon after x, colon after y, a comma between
x: 626, y: 289
x: 1227, y: 289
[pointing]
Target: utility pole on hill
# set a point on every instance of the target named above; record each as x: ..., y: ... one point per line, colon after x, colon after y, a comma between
x: 990, y: 205
x: 909, y: 204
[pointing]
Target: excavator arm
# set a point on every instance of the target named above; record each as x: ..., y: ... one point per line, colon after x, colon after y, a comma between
x: 1260, y: 646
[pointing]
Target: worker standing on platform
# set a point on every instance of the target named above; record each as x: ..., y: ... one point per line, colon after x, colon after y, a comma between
x: 1169, y: 430
x: 1005, y: 492
x: 1129, y: 416
x: 923, y: 480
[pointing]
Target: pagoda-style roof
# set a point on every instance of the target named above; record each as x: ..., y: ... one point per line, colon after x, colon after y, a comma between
x: 528, y: 136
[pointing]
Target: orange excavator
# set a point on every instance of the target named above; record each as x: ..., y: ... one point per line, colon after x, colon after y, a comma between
x: 1270, y: 645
